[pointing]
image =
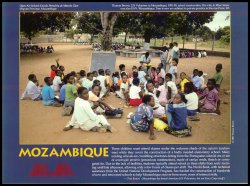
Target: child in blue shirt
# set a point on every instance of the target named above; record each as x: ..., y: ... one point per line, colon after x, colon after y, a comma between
x: 177, y: 113
x: 48, y: 94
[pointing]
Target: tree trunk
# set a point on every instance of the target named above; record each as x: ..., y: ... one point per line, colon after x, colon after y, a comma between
x: 195, y: 43
x: 162, y: 44
x: 125, y: 39
x: 183, y: 41
x: 147, y: 36
x: 91, y: 38
x: 108, y: 20
x: 155, y: 42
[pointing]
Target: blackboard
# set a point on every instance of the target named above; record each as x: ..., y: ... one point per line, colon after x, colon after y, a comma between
x: 103, y: 60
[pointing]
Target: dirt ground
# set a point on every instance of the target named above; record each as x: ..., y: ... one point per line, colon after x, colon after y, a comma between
x: 43, y: 124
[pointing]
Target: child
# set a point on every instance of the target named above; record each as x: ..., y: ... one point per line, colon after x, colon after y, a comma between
x: 135, y: 93
x: 57, y: 83
x: 32, y: 89
x: 124, y: 89
x: 115, y: 78
x: 173, y: 70
x: 84, y: 117
x: 172, y: 89
x: 62, y: 90
x: 95, y: 74
x: 103, y: 82
x: 164, y: 57
x: 48, y: 94
x: 162, y: 71
x: 176, y: 112
x: 53, y: 71
x: 88, y: 82
x: 134, y: 75
x: 200, y: 74
x: 77, y: 82
x: 196, y: 80
x: 210, y: 104
x: 184, y: 80
x: 70, y: 92
x: 142, y: 120
x: 161, y: 92
x: 60, y: 67
x: 82, y: 76
x: 158, y: 110
x: 218, y: 76
x: 192, y: 99
x: 120, y: 80
x: 153, y: 75
x: 122, y: 69
x: 109, y: 81
x: 134, y: 69
x: 142, y: 75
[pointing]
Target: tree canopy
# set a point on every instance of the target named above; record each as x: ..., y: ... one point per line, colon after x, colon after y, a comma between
x: 33, y: 22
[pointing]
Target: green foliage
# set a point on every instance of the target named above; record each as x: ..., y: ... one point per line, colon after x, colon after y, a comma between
x: 223, y: 34
x: 33, y: 22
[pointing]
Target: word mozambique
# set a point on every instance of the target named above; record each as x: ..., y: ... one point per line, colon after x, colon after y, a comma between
x: 45, y: 152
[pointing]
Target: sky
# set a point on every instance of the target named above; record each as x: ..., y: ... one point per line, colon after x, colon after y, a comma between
x: 219, y: 20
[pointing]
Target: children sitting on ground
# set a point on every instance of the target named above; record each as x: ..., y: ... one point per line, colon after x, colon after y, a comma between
x: 172, y: 89
x: 84, y: 117
x: 210, y: 98
x: 57, y: 83
x: 124, y: 89
x: 88, y: 82
x: 192, y: 99
x: 158, y: 110
x: 183, y: 81
x: 176, y: 112
x: 162, y: 72
x: 142, y: 120
x: 32, y: 90
x: 78, y: 77
x: 161, y: 92
x: 218, y: 76
x: 48, y: 94
x: 173, y: 69
x: 135, y: 93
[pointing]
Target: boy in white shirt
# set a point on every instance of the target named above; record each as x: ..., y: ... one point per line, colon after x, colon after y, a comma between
x: 103, y: 82
x: 57, y: 81
x: 88, y: 82
x: 32, y: 89
x: 172, y: 89
x: 84, y: 117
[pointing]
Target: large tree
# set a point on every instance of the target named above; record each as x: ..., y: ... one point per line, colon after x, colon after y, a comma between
x: 33, y: 22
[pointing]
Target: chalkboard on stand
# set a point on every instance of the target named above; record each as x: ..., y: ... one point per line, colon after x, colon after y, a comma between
x: 103, y: 60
